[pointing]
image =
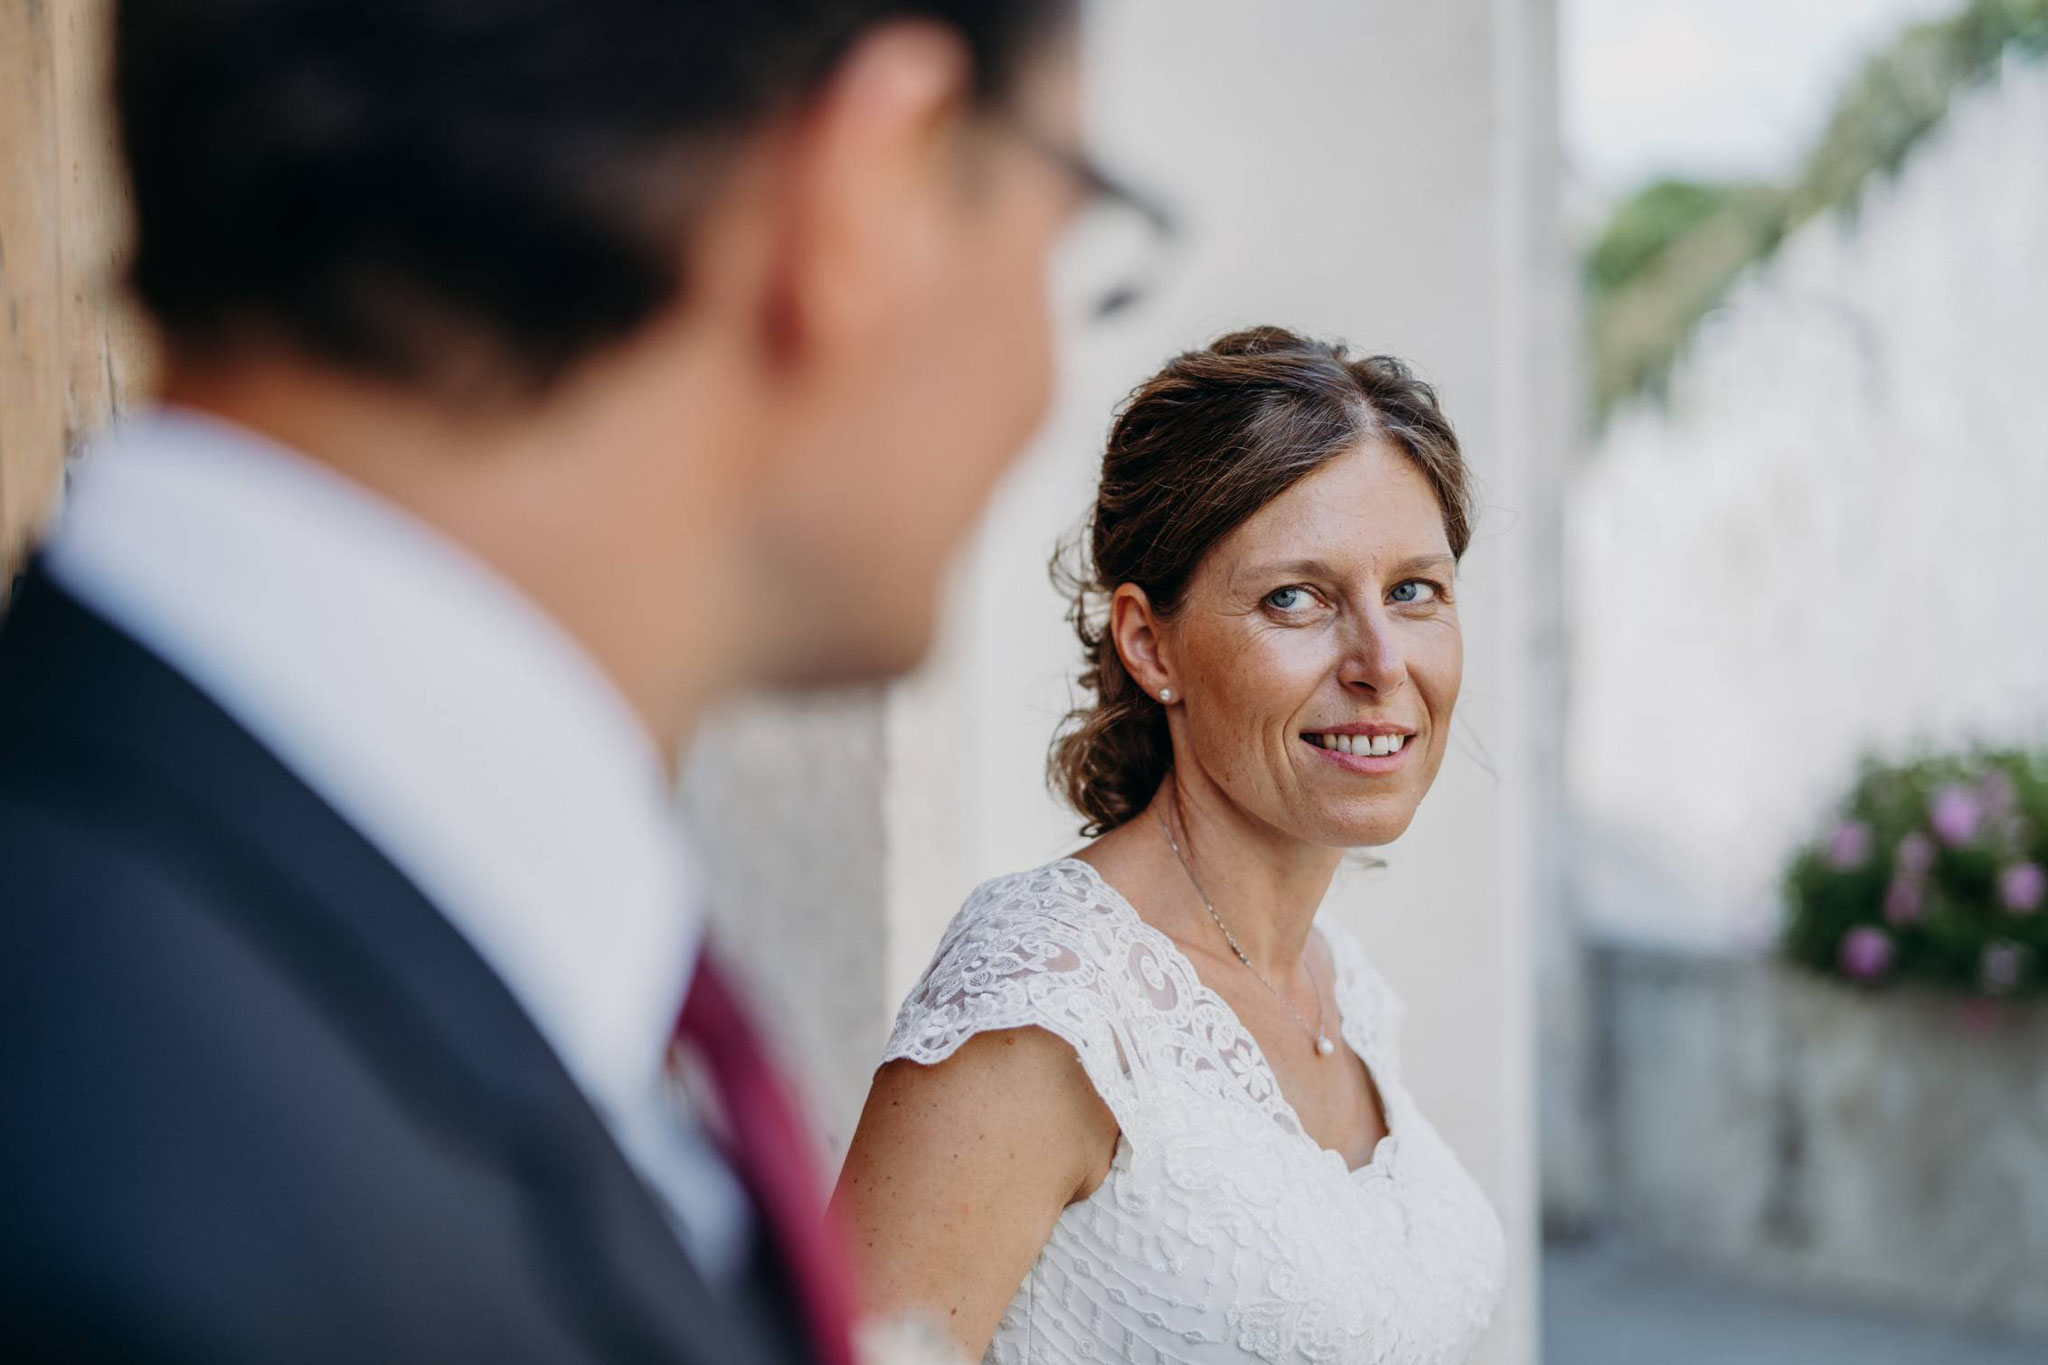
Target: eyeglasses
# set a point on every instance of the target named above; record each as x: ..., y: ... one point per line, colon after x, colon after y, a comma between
x: 1112, y: 256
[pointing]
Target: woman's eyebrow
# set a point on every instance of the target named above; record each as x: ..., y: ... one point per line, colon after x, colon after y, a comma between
x: 1289, y: 568
x: 1319, y: 568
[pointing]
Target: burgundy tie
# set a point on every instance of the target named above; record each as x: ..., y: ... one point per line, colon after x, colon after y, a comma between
x: 769, y: 1148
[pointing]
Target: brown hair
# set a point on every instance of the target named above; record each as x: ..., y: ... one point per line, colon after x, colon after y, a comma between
x: 1195, y: 452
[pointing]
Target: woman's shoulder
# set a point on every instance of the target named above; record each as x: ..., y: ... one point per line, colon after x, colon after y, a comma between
x: 1034, y: 949
x: 1048, y: 931
x: 1061, y: 902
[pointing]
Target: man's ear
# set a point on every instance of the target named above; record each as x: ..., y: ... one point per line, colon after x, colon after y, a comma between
x: 1137, y: 632
x: 868, y: 179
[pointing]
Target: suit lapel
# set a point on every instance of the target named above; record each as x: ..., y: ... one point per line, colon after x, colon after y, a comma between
x: 99, y: 714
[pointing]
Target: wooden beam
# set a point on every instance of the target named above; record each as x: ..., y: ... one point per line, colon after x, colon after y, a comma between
x: 106, y: 350
x: 72, y: 352
x: 31, y: 272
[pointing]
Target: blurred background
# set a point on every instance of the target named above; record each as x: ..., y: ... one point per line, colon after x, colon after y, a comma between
x: 1795, y: 1065
x: 1722, y: 935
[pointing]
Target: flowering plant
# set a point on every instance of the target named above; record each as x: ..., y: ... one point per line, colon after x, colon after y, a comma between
x: 1934, y: 870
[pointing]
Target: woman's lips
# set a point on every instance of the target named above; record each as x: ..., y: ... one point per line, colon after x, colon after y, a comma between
x: 1368, y: 764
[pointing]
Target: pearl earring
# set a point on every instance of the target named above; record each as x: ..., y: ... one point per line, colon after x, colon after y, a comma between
x: 1166, y: 694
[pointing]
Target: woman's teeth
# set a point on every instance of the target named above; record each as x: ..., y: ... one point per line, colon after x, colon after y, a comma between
x: 1364, y: 746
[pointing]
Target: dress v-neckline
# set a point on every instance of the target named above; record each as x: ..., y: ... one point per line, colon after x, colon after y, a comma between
x: 1381, y: 1157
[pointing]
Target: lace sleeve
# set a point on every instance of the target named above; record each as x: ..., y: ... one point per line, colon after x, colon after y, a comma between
x: 1023, y: 954
x: 1362, y: 990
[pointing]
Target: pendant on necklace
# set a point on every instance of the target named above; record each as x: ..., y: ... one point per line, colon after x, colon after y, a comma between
x: 1324, y: 1047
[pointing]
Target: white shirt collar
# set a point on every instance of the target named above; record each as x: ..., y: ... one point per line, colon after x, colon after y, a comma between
x: 446, y: 717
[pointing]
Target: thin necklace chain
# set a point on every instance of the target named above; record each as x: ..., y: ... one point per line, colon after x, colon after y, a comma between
x: 1317, y: 1037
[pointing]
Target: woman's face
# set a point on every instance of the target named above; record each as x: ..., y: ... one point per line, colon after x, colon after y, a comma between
x: 1317, y: 654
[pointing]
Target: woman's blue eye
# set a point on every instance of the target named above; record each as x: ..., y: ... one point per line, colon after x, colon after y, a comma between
x: 1413, y: 591
x: 1287, y: 599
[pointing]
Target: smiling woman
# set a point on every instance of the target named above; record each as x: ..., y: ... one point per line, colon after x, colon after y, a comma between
x: 1202, y: 448
x: 1145, y: 1105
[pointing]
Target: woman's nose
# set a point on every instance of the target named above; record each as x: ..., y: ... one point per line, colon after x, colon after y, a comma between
x: 1373, y: 659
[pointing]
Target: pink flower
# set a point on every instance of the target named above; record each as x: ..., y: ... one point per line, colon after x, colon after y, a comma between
x: 1903, y: 901
x: 2021, y: 887
x: 2000, y: 967
x: 1866, y: 953
x: 1914, y: 855
x: 1849, y: 846
x: 1955, y: 811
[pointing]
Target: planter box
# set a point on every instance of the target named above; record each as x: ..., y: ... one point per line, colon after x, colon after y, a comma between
x: 1889, y: 1147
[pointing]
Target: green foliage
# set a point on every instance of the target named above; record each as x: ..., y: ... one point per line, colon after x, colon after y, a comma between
x: 1670, y: 253
x: 1668, y: 256
x: 1903, y: 92
x: 1648, y: 223
x: 1933, y: 872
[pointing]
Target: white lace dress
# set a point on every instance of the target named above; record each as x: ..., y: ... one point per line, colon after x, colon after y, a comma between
x: 1224, y: 1232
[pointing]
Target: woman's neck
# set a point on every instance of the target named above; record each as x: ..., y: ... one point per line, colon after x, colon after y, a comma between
x: 1265, y: 886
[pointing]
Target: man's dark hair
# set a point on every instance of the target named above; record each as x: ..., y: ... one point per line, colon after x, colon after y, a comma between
x: 445, y: 191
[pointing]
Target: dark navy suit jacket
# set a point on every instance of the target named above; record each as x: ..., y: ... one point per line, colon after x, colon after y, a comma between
x: 259, y: 1101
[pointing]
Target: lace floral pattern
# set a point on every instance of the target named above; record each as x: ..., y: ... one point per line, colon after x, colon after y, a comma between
x: 1224, y: 1232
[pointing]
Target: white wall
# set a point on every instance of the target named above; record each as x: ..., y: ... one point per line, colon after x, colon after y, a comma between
x: 1828, y: 541
x: 786, y: 803
x: 1375, y: 170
